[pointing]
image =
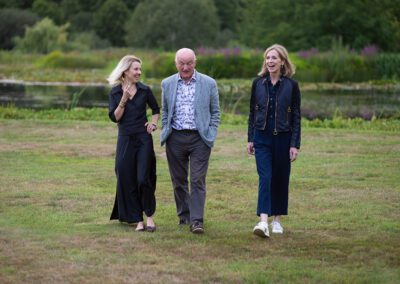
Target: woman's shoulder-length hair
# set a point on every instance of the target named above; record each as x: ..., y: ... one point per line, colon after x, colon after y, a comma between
x: 288, y: 69
x: 116, y: 76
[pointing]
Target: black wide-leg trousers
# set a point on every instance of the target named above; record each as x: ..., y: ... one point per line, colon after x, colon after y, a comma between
x: 135, y: 168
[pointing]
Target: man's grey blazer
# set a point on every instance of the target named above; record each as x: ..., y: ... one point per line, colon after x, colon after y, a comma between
x: 206, y: 107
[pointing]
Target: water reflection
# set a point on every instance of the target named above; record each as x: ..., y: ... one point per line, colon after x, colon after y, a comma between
x: 233, y: 99
x: 53, y: 96
x: 352, y: 103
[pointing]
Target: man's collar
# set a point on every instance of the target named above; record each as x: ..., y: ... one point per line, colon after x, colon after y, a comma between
x: 194, y: 75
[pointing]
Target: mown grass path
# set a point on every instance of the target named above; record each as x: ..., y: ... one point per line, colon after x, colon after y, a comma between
x: 57, y: 189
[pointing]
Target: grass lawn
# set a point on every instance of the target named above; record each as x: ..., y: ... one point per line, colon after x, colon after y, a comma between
x: 57, y: 188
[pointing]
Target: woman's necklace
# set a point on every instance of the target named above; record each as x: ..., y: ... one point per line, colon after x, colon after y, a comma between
x: 133, y: 92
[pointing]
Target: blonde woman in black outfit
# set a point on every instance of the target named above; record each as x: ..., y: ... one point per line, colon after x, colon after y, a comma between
x: 135, y: 163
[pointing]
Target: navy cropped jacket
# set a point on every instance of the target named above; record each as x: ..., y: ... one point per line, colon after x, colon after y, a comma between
x: 287, y: 108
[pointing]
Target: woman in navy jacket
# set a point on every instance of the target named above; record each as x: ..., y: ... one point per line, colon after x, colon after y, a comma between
x: 135, y: 162
x: 274, y: 135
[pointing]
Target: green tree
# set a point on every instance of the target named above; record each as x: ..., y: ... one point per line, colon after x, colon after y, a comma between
x: 357, y: 22
x: 43, y: 37
x: 70, y: 8
x: 171, y: 24
x: 47, y: 8
x: 13, y: 23
x: 74, y: 13
x: 266, y: 22
x: 131, y: 4
x: 81, y: 22
x: 109, y: 21
x: 91, y: 5
x: 229, y: 14
x: 317, y: 23
x: 20, y: 4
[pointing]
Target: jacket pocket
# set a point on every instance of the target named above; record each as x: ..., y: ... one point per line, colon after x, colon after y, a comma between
x: 288, y: 115
x: 258, y: 115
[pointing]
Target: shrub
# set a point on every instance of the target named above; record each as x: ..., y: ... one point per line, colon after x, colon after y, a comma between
x: 86, y: 41
x: 337, y: 66
x: 163, y: 66
x: 341, y: 66
x: 387, y: 65
x: 220, y: 66
x: 17, y: 58
x: 57, y: 59
x: 347, y: 66
x: 216, y: 65
x: 43, y: 37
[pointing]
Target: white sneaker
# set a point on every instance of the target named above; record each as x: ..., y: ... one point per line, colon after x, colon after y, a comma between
x: 276, y: 227
x: 261, y: 230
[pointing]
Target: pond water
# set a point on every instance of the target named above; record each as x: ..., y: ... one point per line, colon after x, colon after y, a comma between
x: 233, y: 99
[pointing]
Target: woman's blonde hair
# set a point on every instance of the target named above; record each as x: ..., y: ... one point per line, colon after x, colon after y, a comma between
x: 117, y: 75
x: 288, y: 69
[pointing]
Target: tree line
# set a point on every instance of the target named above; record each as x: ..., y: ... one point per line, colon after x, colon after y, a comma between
x: 170, y: 24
